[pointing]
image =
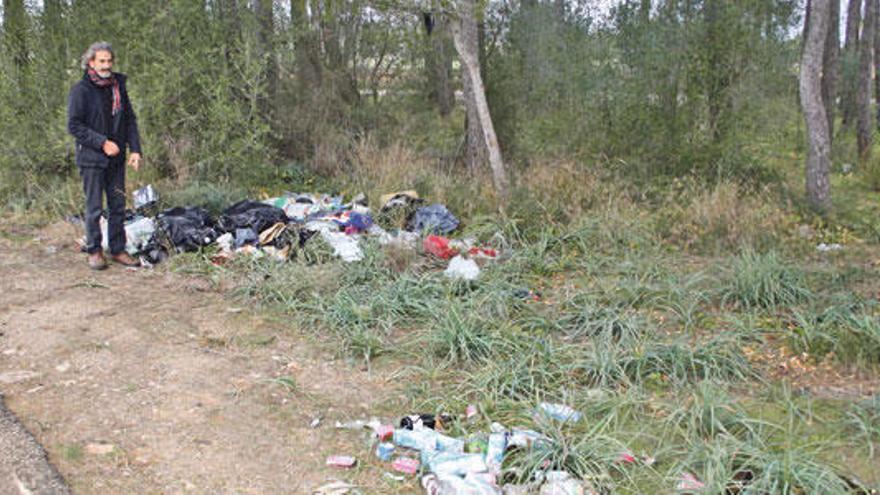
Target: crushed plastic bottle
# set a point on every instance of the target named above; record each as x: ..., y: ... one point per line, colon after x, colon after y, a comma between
x: 559, y: 412
x: 495, y: 451
x: 384, y: 451
x: 456, y: 464
x: 454, y: 485
x: 415, y: 439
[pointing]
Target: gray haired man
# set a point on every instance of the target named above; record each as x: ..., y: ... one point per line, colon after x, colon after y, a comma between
x: 103, y: 122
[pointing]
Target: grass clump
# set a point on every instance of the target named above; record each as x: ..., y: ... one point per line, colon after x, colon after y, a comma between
x: 590, y: 455
x: 458, y: 334
x: 729, y: 465
x: 583, y: 316
x: 764, y: 281
x: 850, y: 332
x: 537, y: 367
x: 708, y: 411
x: 863, y: 420
x: 681, y: 361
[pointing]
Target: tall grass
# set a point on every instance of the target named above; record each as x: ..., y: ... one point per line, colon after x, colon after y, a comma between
x: 764, y: 281
x: 851, y: 332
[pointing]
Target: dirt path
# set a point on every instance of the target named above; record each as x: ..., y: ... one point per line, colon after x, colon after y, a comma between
x: 146, y: 382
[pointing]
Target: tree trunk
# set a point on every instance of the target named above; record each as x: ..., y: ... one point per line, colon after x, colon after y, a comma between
x: 15, y: 32
x: 481, y: 138
x: 831, y: 65
x: 818, y: 163
x: 266, y: 42
x: 864, y: 127
x: 438, y: 63
x: 850, y: 61
x: 307, y: 44
x: 877, y: 63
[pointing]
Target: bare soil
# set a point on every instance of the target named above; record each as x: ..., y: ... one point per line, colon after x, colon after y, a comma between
x: 145, y: 381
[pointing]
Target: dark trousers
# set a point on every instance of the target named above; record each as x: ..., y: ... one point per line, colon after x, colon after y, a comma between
x: 97, y: 182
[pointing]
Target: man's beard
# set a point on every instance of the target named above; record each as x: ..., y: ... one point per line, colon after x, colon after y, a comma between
x: 104, y: 75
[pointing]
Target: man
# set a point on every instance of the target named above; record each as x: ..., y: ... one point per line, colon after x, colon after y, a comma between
x: 103, y: 122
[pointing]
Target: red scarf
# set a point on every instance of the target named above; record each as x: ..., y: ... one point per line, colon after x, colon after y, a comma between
x: 103, y: 83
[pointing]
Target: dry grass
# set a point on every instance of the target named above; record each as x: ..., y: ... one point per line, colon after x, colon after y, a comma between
x: 725, y: 217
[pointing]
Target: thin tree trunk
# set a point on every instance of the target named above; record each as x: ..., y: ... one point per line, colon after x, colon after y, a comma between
x: 266, y: 41
x: 850, y: 61
x: 864, y: 127
x: 480, y: 128
x: 877, y: 64
x: 438, y: 63
x: 831, y: 65
x: 15, y: 32
x: 818, y: 162
x: 307, y: 46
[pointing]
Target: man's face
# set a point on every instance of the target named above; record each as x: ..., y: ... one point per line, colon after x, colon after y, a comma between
x: 102, y: 63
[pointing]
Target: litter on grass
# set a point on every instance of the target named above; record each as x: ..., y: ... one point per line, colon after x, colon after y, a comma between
x: 285, y: 227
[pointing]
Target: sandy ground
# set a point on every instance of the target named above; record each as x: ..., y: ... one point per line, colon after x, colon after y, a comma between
x: 142, y: 381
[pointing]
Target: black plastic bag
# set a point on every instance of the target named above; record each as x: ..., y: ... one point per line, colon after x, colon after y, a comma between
x: 185, y: 228
x: 252, y: 215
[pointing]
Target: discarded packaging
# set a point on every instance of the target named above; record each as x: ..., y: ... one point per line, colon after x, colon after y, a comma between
x: 561, y: 483
x: 456, y: 464
x: 824, y: 248
x: 416, y: 439
x: 525, y: 438
x: 397, y: 198
x: 470, y: 411
x: 341, y: 461
x: 383, y: 432
x: 495, y: 451
x: 334, y: 488
x: 225, y: 242
x: 384, y: 451
x: 405, y: 465
x: 418, y: 421
x: 245, y: 237
x: 462, y: 268
x: 439, y: 247
x: 687, y: 482
x: 345, y: 247
x: 455, y: 485
x: 559, y: 412
x: 449, y: 444
x: 144, y: 197
x: 269, y: 235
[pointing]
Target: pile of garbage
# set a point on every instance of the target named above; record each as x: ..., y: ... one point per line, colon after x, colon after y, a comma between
x: 447, y: 465
x: 281, y: 227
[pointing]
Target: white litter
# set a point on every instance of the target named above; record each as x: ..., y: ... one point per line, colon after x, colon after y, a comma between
x: 462, y: 268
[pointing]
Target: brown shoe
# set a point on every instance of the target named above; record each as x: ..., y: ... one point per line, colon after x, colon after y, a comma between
x: 124, y: 259
x: 96, y: 261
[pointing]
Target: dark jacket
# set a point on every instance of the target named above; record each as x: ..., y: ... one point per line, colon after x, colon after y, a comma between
x: 91, y: 125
